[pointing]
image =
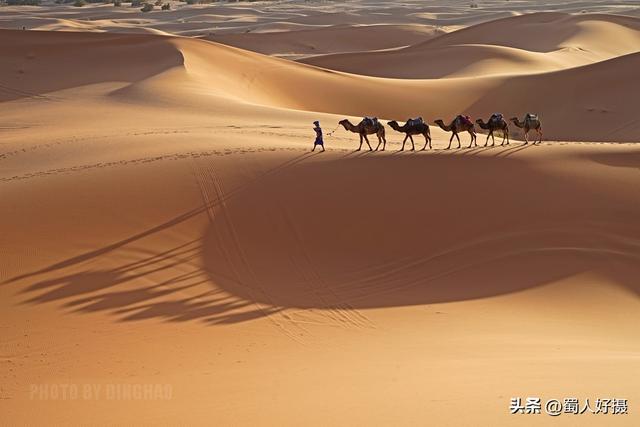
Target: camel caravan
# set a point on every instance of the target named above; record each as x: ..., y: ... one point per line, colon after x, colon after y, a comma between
x: 412, y: 127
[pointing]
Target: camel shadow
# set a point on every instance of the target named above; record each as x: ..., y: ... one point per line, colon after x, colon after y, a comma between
x: 511, y: 151
x: 124, y: 291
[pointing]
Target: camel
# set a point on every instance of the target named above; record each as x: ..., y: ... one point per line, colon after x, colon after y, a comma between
x: 410, y: 128
x: 496, y: 123
x: 531, y: 121
x: 367, y: 126
x: 459, y: 124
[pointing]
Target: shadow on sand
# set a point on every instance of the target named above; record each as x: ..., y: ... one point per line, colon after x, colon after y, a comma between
x: 359, y: 232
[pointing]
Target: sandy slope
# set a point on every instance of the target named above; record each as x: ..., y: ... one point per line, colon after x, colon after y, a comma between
x: 164, y: 223
x: 136, y: 254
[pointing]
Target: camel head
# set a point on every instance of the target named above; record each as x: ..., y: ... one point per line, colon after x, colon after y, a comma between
x: 344, y: 122
x: 393, y: 124
x: 444, y: 127
x: 482, y: 124
x: 517, y: 122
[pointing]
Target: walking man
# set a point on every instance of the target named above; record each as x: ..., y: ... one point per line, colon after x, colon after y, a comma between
x: 319, y: 140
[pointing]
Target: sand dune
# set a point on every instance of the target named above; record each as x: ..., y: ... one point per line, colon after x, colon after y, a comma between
x: 251, y: 17
x: 164, y: 247
x: 332, y: 39
x: 37, y: 63
x: 164, y: 222
x: 515, y: 45
x: 546, y: 32
x: 184, y: 74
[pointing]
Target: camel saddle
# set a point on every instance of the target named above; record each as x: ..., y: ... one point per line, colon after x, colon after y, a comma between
x: 496, y: 116
x: 466, y: 119
x: 370, y: 121
x: 531, y: 116
x: 415, y: 122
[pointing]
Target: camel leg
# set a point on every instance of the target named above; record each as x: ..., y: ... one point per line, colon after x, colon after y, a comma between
x: 381, y: 140
x: 450, y: 139
x: 488, y: 135
x: 505, y: 135
x: 458, y: 138
x: 473, y: 139
x: 404, y: 142
x: 367, y: 141
x: 493, y: 139
x: 413, y: 146
x: 360, y: 147
x: 526, y: 137
x: 540, y: 136
x: 427, y: 140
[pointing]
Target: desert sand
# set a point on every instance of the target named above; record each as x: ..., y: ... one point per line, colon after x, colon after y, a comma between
x: 164, y: 222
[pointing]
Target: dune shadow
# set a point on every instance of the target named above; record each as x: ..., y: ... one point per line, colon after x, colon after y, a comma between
x: 384, y: 232
x: 623, y: 159
x: 86, y: 59
x: 355, y: 233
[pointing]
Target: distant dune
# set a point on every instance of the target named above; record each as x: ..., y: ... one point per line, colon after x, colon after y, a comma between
x: 345, y: 38
x: 516, y: 45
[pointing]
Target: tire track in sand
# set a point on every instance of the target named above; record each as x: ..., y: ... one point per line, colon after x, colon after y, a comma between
x: 207, y: 177
x: 342, y: 312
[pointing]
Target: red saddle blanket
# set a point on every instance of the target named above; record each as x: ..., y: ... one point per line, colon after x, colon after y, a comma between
x: 466, y: 119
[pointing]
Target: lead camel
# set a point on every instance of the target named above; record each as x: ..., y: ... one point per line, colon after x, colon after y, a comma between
x: 531, y: 121
x: 364, y: 128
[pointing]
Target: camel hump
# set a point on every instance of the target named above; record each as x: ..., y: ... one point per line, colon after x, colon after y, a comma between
x: 531, y: 116
x: 496, y: 116
x: 465, y: 119
x: 370, y: 121
x: 415, y: 122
